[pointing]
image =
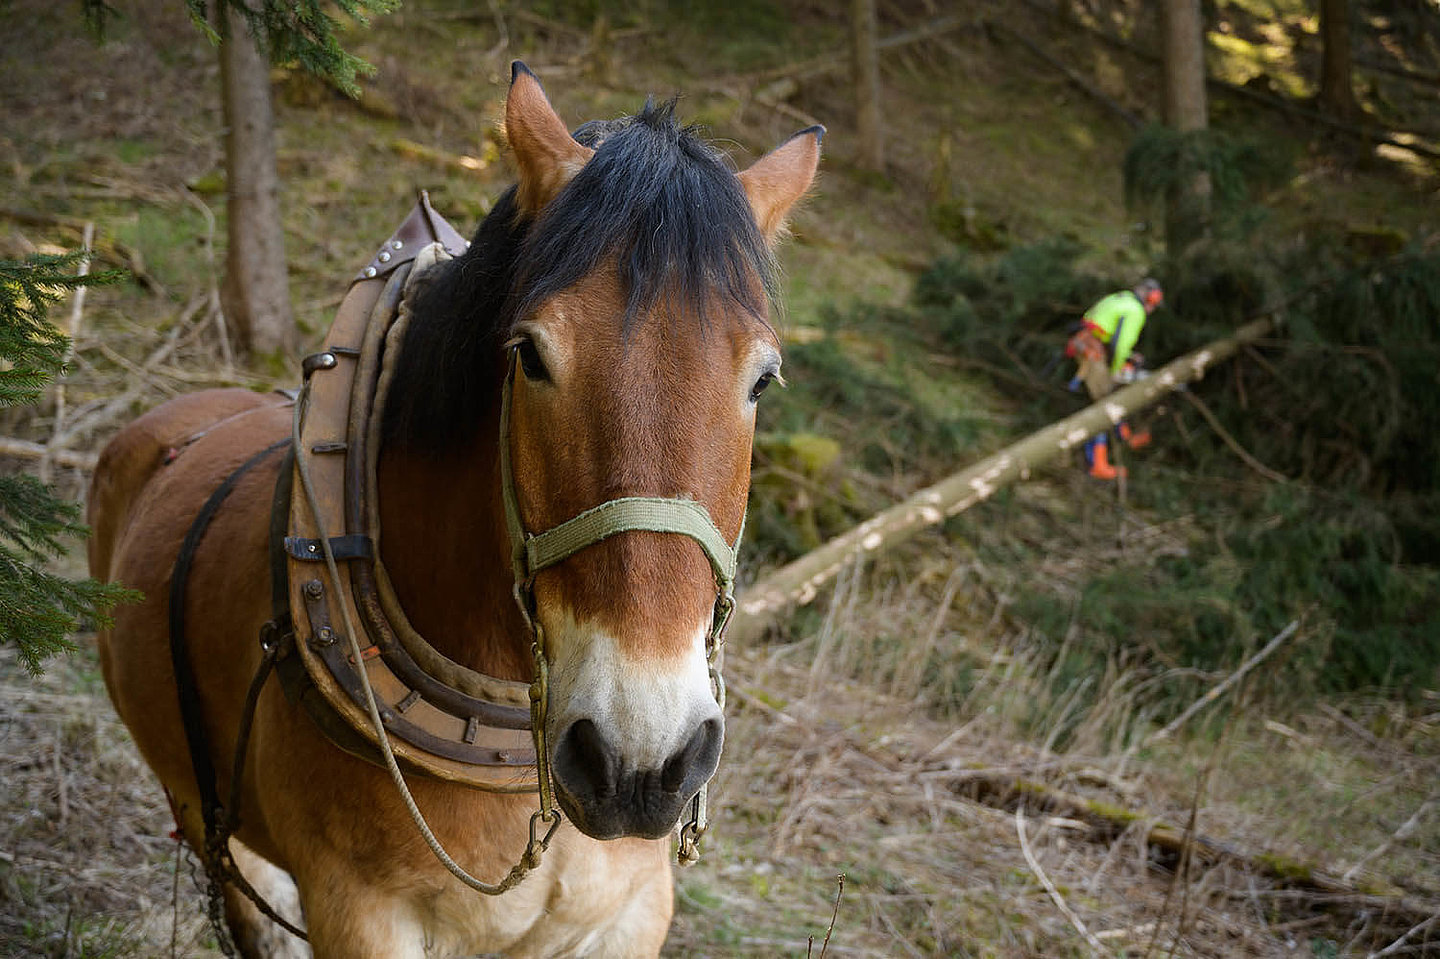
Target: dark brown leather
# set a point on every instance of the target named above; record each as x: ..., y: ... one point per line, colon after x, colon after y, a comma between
x: 422, y: 227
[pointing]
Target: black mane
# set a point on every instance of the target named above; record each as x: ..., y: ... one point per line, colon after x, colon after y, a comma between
x: 657, y: 201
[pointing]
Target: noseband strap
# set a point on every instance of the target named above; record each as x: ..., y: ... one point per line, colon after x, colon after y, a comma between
x: 628, y: 514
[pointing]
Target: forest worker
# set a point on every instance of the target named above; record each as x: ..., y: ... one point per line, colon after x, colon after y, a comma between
x: 1104, y: 353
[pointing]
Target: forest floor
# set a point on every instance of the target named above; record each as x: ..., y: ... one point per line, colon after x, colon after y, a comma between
x: 1004, y: 820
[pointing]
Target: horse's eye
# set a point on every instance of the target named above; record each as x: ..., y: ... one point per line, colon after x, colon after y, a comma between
x: 530, y: 362
x: 765, y: 380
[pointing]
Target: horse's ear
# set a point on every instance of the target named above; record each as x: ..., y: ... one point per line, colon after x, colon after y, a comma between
x: 547, y: 156
x: 779, y: 178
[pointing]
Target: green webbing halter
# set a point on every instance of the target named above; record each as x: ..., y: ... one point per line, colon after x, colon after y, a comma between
x: 633, y: 513
x: 531, y: 553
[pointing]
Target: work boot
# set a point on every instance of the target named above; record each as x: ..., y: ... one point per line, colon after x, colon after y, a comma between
x: 1133, y: 439
x: 1100, y: 467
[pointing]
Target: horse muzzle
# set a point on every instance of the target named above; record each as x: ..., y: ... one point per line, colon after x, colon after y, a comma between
x: 608, y: 797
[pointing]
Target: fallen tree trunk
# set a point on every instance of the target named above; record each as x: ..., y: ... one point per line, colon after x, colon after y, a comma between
x: 800, y: 581
x: 1108, y: 822
x: 1393, y: 904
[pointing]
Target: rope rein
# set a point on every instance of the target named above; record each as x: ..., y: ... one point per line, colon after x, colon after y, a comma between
x: 538, y: 843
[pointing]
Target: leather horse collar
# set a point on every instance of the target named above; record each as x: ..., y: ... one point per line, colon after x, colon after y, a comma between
x: 443, y: 720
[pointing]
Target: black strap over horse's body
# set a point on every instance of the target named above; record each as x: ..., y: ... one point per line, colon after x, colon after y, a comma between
x: 277, y: 639
x: 190, y: 709
x: 220, y: 820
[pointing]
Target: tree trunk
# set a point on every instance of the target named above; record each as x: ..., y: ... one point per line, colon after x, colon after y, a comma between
x: 863, y: 35
x: 256, y: 292
x: 1183, y: 61
x: 1337, y: 95
x: 800, y: 581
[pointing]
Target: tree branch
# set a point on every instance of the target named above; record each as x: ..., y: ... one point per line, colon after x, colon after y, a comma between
x: 1231, y: 442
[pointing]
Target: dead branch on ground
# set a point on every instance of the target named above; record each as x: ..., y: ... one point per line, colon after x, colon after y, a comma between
x: 1219, y: 690
x: 1049, y: 886
x: 77, y: 313
x: 112, y: 251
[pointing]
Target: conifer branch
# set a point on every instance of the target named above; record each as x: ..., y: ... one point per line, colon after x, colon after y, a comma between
x: 39, y: 608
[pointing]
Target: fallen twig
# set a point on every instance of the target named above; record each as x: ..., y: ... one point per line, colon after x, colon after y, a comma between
x: 1218, y: 690
x: 10, y: 446
x: 1230, y: 441
x: 1050, y: 889
x: 122, y: 403
x: 119, y: 359
x: 77, y: 313
x: 1399, y: 944
x: 217, y: 311
x: 1406, y: 830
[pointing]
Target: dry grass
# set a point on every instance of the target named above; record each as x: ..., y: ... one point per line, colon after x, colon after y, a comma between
x: 839, y: 761
x: 87, y: 865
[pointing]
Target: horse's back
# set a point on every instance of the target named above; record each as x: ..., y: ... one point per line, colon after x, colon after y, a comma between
x: 140, y: 450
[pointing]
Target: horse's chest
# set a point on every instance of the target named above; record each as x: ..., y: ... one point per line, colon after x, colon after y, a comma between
x: 601, y: 899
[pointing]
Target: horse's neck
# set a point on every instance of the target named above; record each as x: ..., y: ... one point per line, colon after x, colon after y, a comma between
x: 445, y: 546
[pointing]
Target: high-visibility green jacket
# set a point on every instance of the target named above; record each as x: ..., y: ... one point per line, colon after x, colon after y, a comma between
x: 1117, y: 320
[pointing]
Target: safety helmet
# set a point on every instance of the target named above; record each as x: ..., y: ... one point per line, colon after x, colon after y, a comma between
x: 1149, y: 292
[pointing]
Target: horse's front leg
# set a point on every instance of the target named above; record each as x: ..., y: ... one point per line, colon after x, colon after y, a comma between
x: 254, y: 933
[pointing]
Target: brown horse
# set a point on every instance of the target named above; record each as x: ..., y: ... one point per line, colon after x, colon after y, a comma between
x: 621, y: 289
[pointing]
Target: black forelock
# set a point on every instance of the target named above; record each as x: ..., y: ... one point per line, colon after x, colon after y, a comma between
x: 665, y: 207
x: 656, y: 201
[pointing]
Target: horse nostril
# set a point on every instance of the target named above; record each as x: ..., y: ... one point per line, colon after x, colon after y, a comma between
x: 702, y: 751
x: 584, y: 756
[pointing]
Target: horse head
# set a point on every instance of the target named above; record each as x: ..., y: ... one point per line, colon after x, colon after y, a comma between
x: 641, y: 345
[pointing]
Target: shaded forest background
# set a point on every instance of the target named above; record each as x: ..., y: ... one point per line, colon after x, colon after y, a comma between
x: 1033, y: 646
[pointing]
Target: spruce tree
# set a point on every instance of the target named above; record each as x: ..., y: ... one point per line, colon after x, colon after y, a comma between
x: 39, y: 608
x: 295, y: 31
